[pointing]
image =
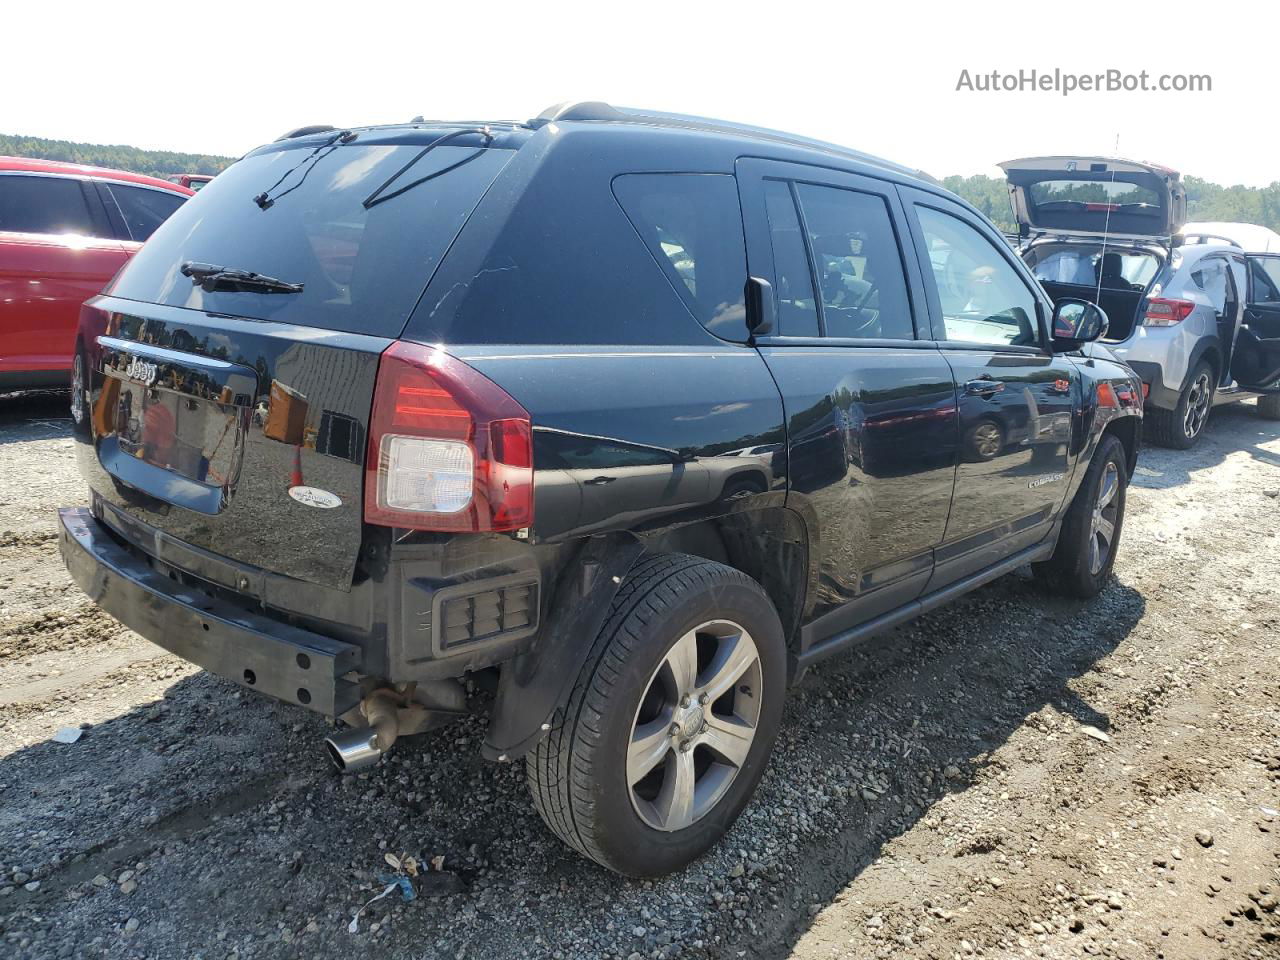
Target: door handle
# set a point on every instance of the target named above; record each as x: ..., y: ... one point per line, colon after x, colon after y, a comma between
x: 983, y: 388
x: 599, y: 481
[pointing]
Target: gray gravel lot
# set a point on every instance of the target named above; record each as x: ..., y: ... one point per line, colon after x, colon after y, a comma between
x: 1012, y: 775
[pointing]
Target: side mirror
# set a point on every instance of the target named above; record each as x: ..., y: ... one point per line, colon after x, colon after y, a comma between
x: 759, y: 307
x: 1077, y: 322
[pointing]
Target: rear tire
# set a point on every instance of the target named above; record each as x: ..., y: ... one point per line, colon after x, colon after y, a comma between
x: 1079, y: 566
x: 1182, y: 426
x: 1269, y: 406
x: 615, y: 776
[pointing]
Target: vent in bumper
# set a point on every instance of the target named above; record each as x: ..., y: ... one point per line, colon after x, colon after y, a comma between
x: 489, y: 615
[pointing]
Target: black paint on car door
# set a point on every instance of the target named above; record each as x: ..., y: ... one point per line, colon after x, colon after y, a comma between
x: 1016, y: 397
x: 1256, y: 363
x: 869, y: 400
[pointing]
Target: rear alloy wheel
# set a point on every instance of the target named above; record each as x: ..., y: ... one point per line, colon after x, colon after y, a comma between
x: 1182, y: 426
x: 694, y: 728
x: 666, y: 732
x: 1086, y: 550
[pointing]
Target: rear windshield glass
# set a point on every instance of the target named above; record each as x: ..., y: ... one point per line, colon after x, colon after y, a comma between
x: 1050, y: 196
x: 362, y: 268
x: 1086, y: 265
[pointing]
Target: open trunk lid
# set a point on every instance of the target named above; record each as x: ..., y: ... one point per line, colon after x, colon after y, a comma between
x: 230, y: 415
x: 1096, y: 196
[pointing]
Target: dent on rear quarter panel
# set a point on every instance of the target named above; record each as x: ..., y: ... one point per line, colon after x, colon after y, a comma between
x: 644, y: 437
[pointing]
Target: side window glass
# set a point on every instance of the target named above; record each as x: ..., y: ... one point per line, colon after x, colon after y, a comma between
x: 983, y: 299
x: 54, y: 205
x: 143, y: 209
x: 797, y: 309
x: 856, y: 258
x: 692, y: 224
x: 1211, y: 277
x: 1265, y: 273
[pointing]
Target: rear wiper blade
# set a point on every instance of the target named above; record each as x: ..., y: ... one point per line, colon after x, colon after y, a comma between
x: 213, y: 277
x: 380, y: 196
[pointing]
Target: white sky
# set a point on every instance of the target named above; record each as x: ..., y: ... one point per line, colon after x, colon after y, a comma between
x: 224, y: 76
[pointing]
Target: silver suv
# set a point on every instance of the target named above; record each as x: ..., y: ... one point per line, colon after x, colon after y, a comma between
x: 1199, y: 323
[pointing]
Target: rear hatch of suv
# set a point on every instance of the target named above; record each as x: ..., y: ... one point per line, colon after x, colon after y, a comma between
x: 1096, y: 196
x: 229, y: 414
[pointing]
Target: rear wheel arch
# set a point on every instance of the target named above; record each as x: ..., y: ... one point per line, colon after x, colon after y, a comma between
x: 1210, y: 351
x: 771, y: 545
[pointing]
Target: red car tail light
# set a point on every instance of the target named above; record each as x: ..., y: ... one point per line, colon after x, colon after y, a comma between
x: 1162, y: 312
x: 449, y: 450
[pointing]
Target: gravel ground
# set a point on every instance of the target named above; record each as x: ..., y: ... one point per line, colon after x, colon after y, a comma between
x: 1014, y: 775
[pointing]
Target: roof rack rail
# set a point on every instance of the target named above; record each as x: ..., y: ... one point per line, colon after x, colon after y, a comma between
x: 601, y: 111
x: 305, y: 131
x: 577, y: 110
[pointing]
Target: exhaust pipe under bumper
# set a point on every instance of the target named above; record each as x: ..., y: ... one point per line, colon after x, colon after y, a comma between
x: 360, y: 747
x: 352, y: 750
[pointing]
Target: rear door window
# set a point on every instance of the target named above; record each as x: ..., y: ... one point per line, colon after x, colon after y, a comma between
x: 692, y: 224
x: 300, y: 212
x: 143, y: 208
x: 36, y: 204
x: 793, y: 283
x: 857, y: 262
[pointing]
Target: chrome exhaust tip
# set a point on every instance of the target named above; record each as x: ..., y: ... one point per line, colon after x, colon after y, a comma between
x: 352, y: 750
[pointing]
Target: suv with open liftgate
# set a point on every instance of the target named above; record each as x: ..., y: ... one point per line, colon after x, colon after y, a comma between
x: 629, y: 417
x: 1191, y: 311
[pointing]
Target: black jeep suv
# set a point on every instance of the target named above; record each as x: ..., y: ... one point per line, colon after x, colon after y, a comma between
x: 627, y: 417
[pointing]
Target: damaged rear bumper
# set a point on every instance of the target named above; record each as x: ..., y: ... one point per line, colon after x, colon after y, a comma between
x: 259, y: 653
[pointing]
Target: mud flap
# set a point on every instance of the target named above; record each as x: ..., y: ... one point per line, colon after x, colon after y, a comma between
x: 533, y: 684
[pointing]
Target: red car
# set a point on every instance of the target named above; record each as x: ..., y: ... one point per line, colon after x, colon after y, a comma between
x: 193, y: 180
x: 65, y: 230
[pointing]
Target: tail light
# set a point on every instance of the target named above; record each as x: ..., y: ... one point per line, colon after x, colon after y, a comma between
x: 449, y: 450
x: 1162, y: 312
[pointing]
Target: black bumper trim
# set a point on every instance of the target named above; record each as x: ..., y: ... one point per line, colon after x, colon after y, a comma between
x: 1158, y: 395
x: 284, y: 662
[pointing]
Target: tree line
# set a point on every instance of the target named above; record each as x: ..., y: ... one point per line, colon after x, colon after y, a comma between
x: 155, y: 163
x: 1205, y: 200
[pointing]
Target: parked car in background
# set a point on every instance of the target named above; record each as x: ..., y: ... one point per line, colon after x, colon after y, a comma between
x: 1198, y: 321
x: 628, y: 418
x: 65, y: 230
x: 192, y: 181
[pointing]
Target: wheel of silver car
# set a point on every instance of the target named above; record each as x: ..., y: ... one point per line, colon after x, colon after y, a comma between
x: 77, y: 389
x: 1102, y: 525
x: 1199, y: 398
x: 1181, y: 425
x: 694, y: 726
x: 666, y: 731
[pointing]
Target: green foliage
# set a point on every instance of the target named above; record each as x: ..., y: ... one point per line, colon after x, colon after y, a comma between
x: 1205, y: 200
x: 988, y: 194
x: 156, y: 163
